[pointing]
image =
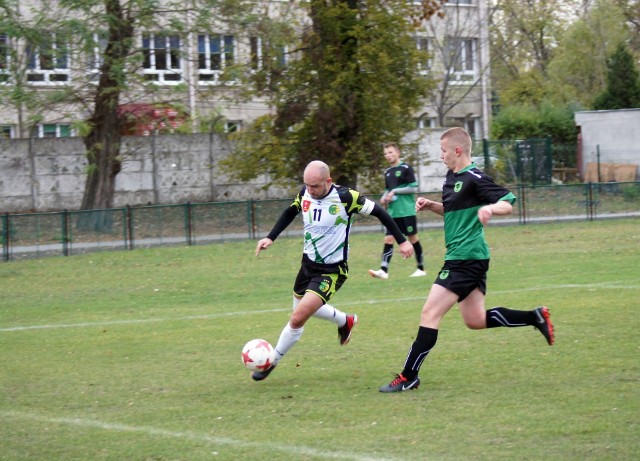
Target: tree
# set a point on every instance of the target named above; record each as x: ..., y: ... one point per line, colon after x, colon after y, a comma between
x: 120, y: 61
x: 578, y: 69
x: 105, y: 36
x: 333, y: 111
x: 327, y: 102
x: 103, y: 136
x: 524, y: 38
x: 623, y: 82
x: 524, y: 121
x: 631, y: 11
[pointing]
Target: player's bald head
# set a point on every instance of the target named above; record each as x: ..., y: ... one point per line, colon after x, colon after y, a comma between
x: 317, y: 178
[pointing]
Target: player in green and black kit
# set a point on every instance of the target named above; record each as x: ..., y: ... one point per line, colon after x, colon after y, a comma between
x: 469, y: 199
x: 400, y: 185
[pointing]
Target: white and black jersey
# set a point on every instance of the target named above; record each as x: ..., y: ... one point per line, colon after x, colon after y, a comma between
x: 327, y: 222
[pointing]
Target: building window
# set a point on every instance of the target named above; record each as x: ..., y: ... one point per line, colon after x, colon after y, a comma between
x: 5, y: 58
x: 422, y: 44
x: 95, y: 56
x: 53, y: 130
x: 256, y: 52
x: 461, y: 58
x: 231, y: 126
x: 259, y: 54
x: 425, y: 122
x: 215, y: 52
x: 6, y: 132
x: 470, y: 124
x: 48, y: 61
x: 162, y: 62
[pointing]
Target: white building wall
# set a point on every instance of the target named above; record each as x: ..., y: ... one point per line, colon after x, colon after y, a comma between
x: 613, y: 135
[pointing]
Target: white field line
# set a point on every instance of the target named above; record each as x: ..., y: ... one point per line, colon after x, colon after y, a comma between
x: 215, y: 441
x: 597, y: 286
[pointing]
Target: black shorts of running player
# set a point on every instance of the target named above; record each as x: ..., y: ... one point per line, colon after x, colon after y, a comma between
x: 322, y: 279
x: 408, y: 225
x: 464, y: 276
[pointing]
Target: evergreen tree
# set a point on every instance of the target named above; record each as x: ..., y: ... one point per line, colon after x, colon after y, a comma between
x: 623, y: 82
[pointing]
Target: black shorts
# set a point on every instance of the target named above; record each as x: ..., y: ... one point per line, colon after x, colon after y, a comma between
x: 322, y: 279
x: 463, y: 276
x: 408, y: 225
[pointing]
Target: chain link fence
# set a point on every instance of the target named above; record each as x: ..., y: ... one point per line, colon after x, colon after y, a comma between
x: 36, y: 235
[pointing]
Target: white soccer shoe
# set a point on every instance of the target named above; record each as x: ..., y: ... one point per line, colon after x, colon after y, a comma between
x: 417, y: 273
x: 379, y: 274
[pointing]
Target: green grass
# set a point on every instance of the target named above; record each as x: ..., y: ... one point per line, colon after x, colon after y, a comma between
x: 136, y: 356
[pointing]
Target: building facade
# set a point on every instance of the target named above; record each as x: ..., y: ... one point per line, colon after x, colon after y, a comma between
x: 185, y: 81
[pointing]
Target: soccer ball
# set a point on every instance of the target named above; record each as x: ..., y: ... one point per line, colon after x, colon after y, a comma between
x: 258, y: 355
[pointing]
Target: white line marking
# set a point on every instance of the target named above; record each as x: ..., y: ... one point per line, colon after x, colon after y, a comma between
x: 602, y: 286
x: 264, y: 447
x: 132, y: 321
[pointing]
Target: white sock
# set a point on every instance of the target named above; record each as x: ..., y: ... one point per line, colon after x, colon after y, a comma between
x: 328, y: 312
x: 288, y: 338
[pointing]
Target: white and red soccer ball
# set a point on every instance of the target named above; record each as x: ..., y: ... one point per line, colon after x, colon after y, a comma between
x: 258, y: 355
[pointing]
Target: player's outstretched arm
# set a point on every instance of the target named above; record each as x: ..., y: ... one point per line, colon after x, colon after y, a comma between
x: 263, y: 245
x: 388, y: 222
x: 285, y: 219
x: 499, y: 208
x: 423, y: 203
x: 406, y: 249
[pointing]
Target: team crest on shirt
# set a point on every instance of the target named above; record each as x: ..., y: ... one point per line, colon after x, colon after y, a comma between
x: 444, y: 274
x: 305, y: 205
x: 334, y: 209
x: 398, y: 173
x: 457, y: 186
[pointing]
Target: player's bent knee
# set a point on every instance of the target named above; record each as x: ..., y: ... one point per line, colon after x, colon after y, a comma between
x: 297, y: 320
x: 476, y: 323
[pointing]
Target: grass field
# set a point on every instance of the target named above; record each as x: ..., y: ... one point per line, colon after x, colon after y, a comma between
x: 136, y: 356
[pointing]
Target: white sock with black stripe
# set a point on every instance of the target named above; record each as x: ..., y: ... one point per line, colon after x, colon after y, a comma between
x: 330, y: 313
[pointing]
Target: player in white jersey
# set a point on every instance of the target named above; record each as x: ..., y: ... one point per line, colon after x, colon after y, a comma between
x: 327, y: 212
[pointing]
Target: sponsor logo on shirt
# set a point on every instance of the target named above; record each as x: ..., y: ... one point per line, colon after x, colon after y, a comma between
x: 305, y: 205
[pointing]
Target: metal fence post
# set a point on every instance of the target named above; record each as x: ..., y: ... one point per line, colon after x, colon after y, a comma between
x: 548, y: 160
x: 6, y: 235
x: 187, y: 223
x: 598, y: 162
x: 65, y: 232
x: 590, y: 211
x: 130, y: 227
x: 523, y: 204
x: 124, y: 228
x: 251, y: 215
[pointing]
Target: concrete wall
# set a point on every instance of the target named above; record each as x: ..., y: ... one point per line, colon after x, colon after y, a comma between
x: 49, y: 174
x: 614, y: 134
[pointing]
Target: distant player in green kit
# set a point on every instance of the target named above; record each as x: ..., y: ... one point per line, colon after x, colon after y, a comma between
x: 469, y: 199
x: 400, y: 185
